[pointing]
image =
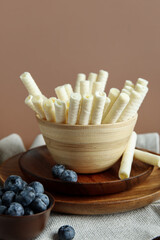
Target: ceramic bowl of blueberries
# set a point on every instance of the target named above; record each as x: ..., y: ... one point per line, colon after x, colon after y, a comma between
x: 24, y: 209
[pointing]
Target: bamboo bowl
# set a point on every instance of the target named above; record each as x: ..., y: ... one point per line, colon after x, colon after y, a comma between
x: 87, y: 149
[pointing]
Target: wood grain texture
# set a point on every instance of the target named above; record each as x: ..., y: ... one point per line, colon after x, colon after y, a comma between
x: 137, y: 197
x: 87, y: 149
x: 36, y: 164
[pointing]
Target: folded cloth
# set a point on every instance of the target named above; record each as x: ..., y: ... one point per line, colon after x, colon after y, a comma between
x: 10, y: 146
x: 140, y: 224
x: 39, y: 141
x: 149, y: 141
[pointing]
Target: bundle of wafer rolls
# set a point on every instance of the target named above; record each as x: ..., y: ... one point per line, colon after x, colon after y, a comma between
x: 87, y: 103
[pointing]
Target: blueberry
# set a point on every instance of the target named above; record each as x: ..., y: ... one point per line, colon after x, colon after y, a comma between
x: 38, y: 205
x: 1, y: 191
x: 13, y: 183
x: 24, y: 184
x: 26, y: 196
x: 28, y: 211
x: 57, y: 170
x: 37, y: 186
x: 3, y: 209
x: 8, y: 197
x: 15, y: 209
x: 66, y: 232
x: 69, y: 176
x: 156, y: 238
x: 44, y: 198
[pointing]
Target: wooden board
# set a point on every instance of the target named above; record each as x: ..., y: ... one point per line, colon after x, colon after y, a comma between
x: 36, y: 164
x: 137, y: 197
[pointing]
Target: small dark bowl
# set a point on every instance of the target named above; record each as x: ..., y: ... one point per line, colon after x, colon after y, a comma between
x: 25, y: 227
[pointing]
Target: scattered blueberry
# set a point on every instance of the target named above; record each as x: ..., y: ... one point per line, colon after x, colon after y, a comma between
x: 15, y: 209
x: 28, y: 211
x: 38, y: 205
x: 66, y: 232
x: 26, y: 196
x: 2, y: 209
x: 44, y: 198
x: 8, y: 197
x: 37, y: 186
x: 13, y: 183
x: 69, y: 176
x: 57, y: 170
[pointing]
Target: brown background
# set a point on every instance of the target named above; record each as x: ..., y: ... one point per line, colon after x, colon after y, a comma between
x: 55, y: 40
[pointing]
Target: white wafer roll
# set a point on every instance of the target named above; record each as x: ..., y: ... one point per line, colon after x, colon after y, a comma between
x: 129, y: 83
x: 142, y: 81
x: 117, y: 108
x: 92, y: 77
x: 97, y: 87
x: 67, y: 108
x: 68, y: 89
x: 30, y: 84
x: 113, y: 95
x: 147, y: 157
x: 61, y: 93
x: 38, y: 104
x: 106, y: 105
x: 132, y: 107
x: 60, y: 111
x: 103, y: 77
x: 29, y: 103
x: 73, y: 111
x: 86, y: 107
x: 141, y: 89
x: 128, y: 88
x: 127, y: 158
x: 53, y: 99
x: 97, y: 108
x: 126, y: 91
x: 49, y: 110
x: 80, y: 77
x: 84, y: 87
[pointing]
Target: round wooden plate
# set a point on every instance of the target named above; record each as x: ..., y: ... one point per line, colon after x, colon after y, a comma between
x: 36, y: 164
x: 137, y: 197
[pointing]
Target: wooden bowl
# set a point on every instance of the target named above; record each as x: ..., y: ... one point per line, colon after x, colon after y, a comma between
x: 87, y: 149
x: 24, y: 227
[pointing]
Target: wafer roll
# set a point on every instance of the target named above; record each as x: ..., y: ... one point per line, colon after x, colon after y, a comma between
x: 147, y: 157
x: 129, y: 83
x: 29, y: 103
x: 113, y: 95
x: 126, y: 91
x: 132, y: 107
x: 97, y: 108
x: 117, y: 108
x: 86, y: 107
x: 53, y: 99
x: 84, y: 87
x: 92, y: 77
x: 106, y: 105
x: 38, y: 104
x: 60, y: 111
x: 127, y: 158
x: 68, y: 89
x: 97, y: 87
x: 80, y: 77
x: 142, y: 81
x: 49, y: 110
x: 30, y: 84
x: 103, y: 77
x: 141, y: 89
x: 73, y: 111
x: 61, y: 93
x: 128, y: 88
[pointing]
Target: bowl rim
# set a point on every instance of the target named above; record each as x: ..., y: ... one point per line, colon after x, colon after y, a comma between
x: 76, y: 126
x: 51, y: 206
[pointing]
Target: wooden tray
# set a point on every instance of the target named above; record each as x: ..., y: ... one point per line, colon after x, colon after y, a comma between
x: 36, y: 164
x: 137, y: 197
